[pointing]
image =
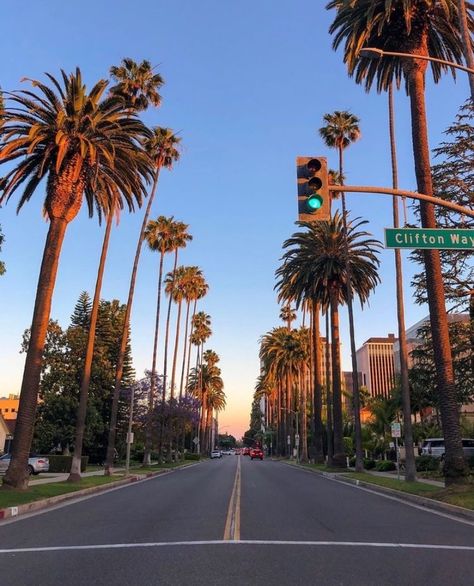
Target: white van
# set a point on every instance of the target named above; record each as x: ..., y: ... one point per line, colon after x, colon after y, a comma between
x: 435, y: 447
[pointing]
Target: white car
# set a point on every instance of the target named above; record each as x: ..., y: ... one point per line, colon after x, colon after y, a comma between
x: 216, y: 454
x: 36, y: 464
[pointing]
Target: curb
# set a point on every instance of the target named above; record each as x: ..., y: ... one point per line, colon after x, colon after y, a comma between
x: 422, y: 501
x: 9, y: 512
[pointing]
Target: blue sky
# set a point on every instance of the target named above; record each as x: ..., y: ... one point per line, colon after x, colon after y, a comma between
x: 247, y: 85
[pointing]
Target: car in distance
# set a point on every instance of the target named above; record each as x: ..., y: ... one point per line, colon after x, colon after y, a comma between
x: 216, y: 454
x: 435, y: 447
x: 36, y: 464
x: 256, y: 453
x: 245, y: 451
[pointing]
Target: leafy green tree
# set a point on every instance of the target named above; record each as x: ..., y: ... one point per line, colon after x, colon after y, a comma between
x: 453, y: 180
x: 419, y: 27
x: 423, y: 376
x: 86, y: 147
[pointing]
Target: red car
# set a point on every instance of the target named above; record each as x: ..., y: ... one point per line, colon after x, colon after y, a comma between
x: 245, y: 451
x: 256, y: 453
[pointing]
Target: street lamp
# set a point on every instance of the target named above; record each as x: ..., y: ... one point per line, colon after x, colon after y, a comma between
x: 374, y: 53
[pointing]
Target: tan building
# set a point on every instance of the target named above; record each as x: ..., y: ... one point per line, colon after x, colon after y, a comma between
x: 9, y: 406
x: 4, y: 434
x: 376, y: 365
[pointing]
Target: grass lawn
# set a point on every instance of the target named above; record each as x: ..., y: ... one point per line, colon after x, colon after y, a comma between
x: 321, y: 467
x: 13, y: 498
x: 462, y: 496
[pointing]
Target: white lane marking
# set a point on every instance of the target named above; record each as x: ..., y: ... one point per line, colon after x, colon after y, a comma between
x: 398, y: 499
x: 239, y: 542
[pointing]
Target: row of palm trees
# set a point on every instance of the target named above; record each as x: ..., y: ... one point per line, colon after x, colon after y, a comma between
x: 430, y: 28
x: 87, y: 145
x: 314, y: 276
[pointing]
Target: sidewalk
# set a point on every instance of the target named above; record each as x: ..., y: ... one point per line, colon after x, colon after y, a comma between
x: 393, y: 475
x: 46, y: 477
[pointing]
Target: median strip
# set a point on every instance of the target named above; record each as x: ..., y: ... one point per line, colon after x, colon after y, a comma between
x: 232, y: 525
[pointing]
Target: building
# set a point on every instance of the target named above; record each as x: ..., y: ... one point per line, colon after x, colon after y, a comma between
x: 376, y: 365
x: 9, y: 406
x: 4, y: 435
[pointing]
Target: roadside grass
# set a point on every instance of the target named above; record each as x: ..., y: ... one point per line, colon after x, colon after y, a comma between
x: 13, y: 498
x: 462, y: 496
x: 321, y: 467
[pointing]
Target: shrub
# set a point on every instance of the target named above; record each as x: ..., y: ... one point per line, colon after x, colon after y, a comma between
x: 352, y: 461
x: 63, y: 463
x: 385, y: 466
x: 426, y: 463
x: 190, y: 456
x: 369, y: 463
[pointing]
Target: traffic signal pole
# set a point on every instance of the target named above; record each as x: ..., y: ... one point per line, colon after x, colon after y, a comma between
x: 402, y: 193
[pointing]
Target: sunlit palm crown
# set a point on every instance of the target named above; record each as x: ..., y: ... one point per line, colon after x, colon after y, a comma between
x: 282, y: 351
x: 426, y: 27
x: 315, y: 262
x: 83, y: 142
x: 163, y: 146
x: 159, y: 234
x: 342, y: 128
x: 205, y: 380
x: 137, y: 85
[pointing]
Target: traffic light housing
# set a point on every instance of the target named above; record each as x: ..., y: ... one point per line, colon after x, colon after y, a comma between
x: 313, y: 190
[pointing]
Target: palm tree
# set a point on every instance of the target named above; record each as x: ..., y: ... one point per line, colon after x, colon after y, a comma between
x: 137, y: 84
x: 216, y: 402
x: 341, y: 130
x: 159, y: 237
x: 163, y: 148
x: 427, y: 28
x: 288, y: 315
x: 315, y: 266
x: 86, y: 146
x: 178, y: 239
x: 201, y: 292
x: 195, y: 288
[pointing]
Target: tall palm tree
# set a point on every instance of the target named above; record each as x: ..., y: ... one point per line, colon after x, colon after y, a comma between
x: 427, y: 28
x: 163, y: 148
x: 159, y: 237
x: 216, y: 402
x: 179, y: 239
x: 195, y: 288
x: 315, y: 266
x: 137, y: 84
x: 86, y: 146
x: 288, y: 315
x: 341, y: 130
x: 201, y: 292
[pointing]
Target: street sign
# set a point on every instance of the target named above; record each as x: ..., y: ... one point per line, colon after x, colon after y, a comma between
x: 297, y: 439
x: 196, y: 441
x: 130, y: 438
x: 396, y: 429
x: 429, y: 238
x: 288, y: 440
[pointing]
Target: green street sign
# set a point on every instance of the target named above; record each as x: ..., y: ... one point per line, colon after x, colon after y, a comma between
x: 429, y: 238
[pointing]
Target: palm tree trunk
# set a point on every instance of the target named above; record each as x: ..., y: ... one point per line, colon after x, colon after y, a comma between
x: 466, y: 42
x: 167, y: 331
x: 303, y: 418
x: 329, y: 426
x: 148, y: 429
x: 175, y: 354
x: 75, y: 474
x: 183, y: 366
x: 359, y: 464
x: 317, y: 387
x: 455, y: 469
x: 17, y: 473
x: 125, y: 332
x: 339, y: 459
x: 410, y: 467
x: 190, y: 346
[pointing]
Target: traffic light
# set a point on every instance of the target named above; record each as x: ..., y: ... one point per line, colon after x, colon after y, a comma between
x: 313, y: 192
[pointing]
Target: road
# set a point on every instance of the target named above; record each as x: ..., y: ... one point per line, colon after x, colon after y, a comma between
x: 237, y: 522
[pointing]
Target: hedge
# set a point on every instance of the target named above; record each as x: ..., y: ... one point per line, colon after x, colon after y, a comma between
x: 189, y: 456
x: 385, y: 465
x: 427, y: 463
x: 63, y: 463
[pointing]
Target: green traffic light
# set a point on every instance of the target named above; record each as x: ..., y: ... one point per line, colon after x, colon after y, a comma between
x: 314, y: 202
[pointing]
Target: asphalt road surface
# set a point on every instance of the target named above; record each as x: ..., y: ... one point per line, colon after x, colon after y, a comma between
x: 237, y: 522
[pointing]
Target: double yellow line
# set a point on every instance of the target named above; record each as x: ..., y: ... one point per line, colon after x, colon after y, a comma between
x: 232, y: 524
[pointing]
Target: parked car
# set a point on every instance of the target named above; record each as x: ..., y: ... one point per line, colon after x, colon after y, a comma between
x: 216, y: 454
x: 435, y: 447
x: 36, y: 464
x: 256, y: 453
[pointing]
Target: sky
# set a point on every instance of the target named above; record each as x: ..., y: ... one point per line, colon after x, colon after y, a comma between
x: 247, y: 83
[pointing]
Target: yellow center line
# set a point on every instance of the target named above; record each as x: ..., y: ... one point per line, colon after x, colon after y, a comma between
x: 232, y: 525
